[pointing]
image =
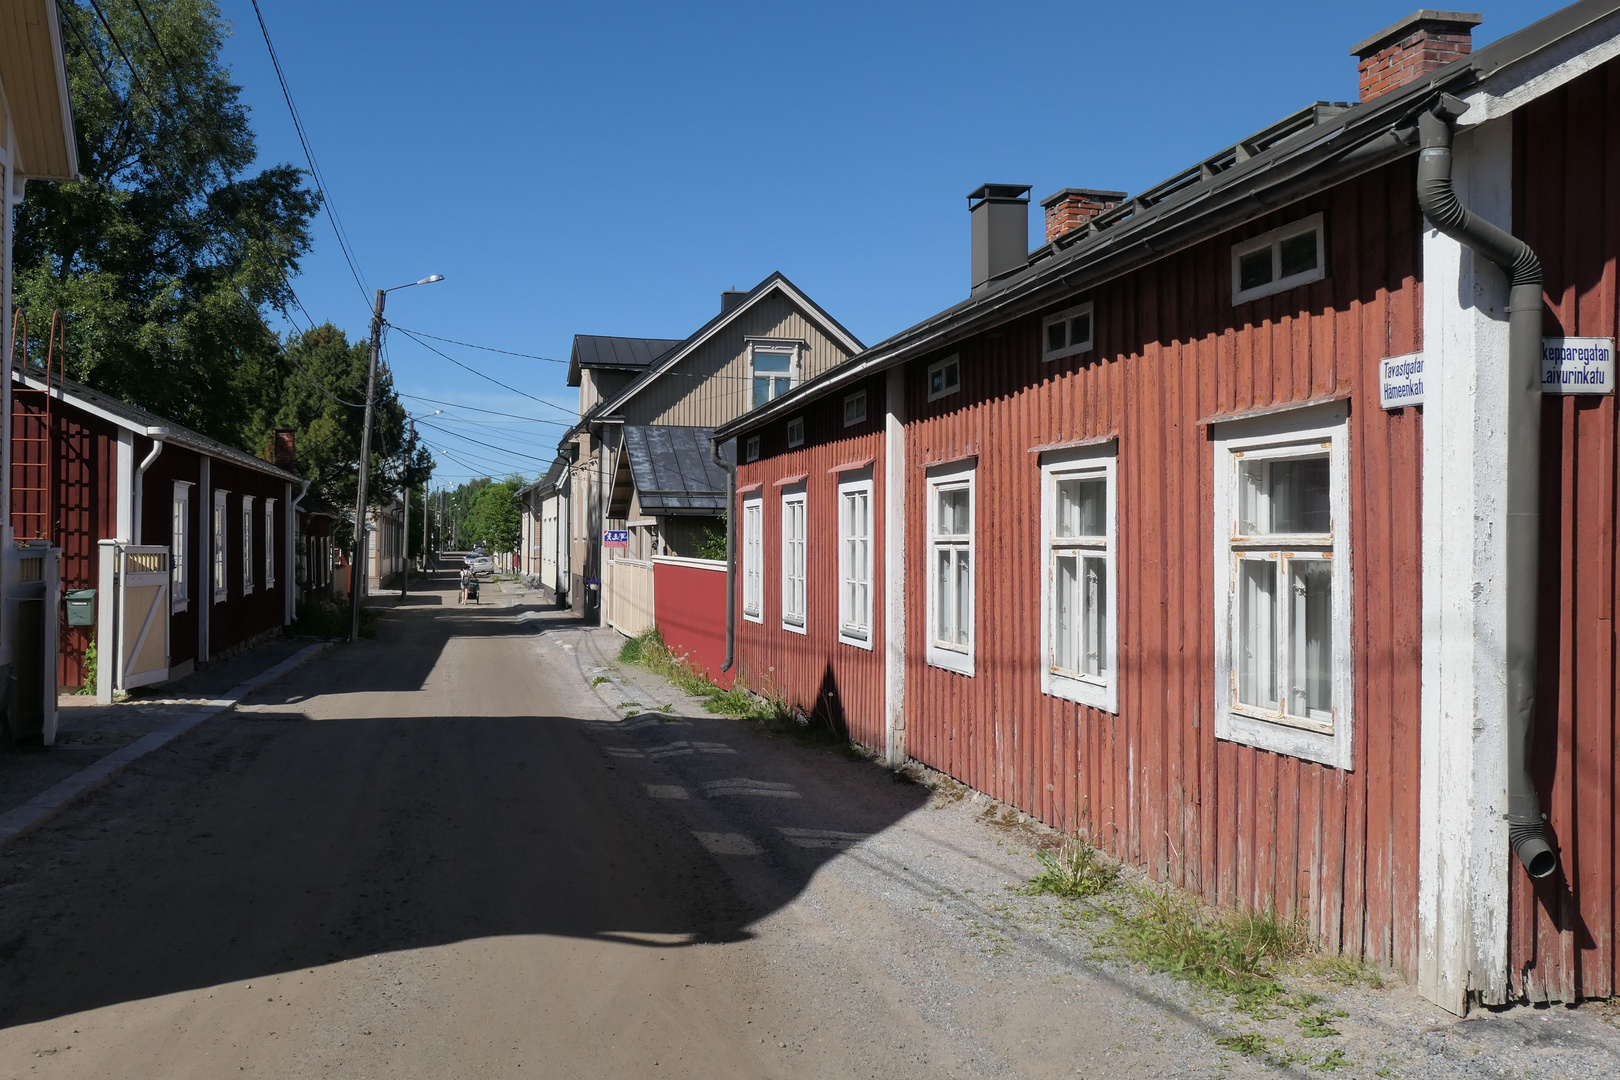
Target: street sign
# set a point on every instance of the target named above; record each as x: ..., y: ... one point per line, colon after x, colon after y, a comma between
x: 1400, y: 381
x: 1577, y: 365
x: 616, y: 538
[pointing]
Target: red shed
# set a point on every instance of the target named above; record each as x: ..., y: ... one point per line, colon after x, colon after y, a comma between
x: 102, y: 470
x: 1190, y: 529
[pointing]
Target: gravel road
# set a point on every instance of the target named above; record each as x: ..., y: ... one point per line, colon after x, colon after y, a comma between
x: 468, y: 849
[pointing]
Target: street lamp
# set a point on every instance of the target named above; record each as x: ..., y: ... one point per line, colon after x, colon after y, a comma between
x: 405, y: 580
x: 357, y: 571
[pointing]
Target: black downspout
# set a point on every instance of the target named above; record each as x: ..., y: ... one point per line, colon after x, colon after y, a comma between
x: 731, y: 552
x: 1526, y: 832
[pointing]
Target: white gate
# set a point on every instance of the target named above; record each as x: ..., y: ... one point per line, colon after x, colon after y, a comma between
x: 143, y: 616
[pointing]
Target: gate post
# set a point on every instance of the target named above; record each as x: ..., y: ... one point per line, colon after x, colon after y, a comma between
x: 107, y: 619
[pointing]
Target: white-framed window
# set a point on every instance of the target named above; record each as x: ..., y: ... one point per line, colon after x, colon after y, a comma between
x: 773, y: 369
x: 1066, y: 332
x: 950, y: 567
x: 793, y: 561
x: 944, y: 377
x: 1278, y: 260
x: 855, y: 408
x: 795, y: 431
x: 1283, y: 674
x: 269, y: 543
x: 218, y: 550
x: 753, y: 558
x: 179, y: 555
x: 751, y: 452
x: 855, y: 562
x: 1079, y: 597
x: 247, y: 544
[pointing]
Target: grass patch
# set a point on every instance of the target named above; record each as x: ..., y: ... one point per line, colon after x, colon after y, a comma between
x: 1331, y: 1062
x: 649, y: 651
x: 1319, y: 1025
x: 1236, y: 954
x: 599, y: 680
x: 1074, y: 871
x: 330, y: 619
x: 1247, y: 1042
x: 1345, y: 971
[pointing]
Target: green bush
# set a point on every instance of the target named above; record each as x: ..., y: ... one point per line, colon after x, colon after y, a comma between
x: 1075, y: 871
x: 330, y: 619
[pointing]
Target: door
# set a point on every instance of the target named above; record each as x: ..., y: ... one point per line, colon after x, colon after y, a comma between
x: 143, y: 616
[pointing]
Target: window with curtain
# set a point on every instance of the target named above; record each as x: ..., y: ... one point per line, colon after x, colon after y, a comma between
x: 950, y: 570
x: 218, y: 552
x: 1080, y: 588
x: 753, y: 559
x: 772, y: 371
x: 180, y: 563
x: 247, y: 544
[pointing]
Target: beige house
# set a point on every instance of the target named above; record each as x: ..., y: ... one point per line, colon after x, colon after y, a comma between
x: 639, y: 462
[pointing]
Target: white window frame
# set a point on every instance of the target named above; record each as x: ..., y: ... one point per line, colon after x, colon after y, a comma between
x: 952, y: 656
x: 795, y: 557
x: 1274, y: 240
x: 940, y: 367
x: 855, y: 408
x: 753, y: 558
x: 773, y: 348
x: 219, y: 533
x: 751, y: 449
x: 1294, y: 432
x: 795, y: 431
x: 1073, y: 347
x: 1086, y: 463
x: 247, y: 545
x: 269, y: 543
x: 855, y: 583
x: 179, y: 554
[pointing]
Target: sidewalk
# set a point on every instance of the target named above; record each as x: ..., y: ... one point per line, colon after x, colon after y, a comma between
x: 94, y: 741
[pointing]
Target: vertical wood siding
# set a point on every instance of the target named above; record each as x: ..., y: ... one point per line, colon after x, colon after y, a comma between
x: 1240, y: 826
x: 712, y: 385
x: 1567, y: 207
x: 814, y: 670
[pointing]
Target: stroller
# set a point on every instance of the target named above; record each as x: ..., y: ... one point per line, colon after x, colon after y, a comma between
x: 469, y: 586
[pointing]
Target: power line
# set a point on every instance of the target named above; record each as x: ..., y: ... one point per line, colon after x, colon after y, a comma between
x: 485, y: 348
x: 480, y: 374
x: 492, y: 412
x: 309, y: 155
x: 479, y: 442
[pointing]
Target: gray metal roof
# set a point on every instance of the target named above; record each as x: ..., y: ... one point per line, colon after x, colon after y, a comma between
x: 1318, y: 146
x: 140, y: 421
x: 672, y: 470
x: 617, y: 353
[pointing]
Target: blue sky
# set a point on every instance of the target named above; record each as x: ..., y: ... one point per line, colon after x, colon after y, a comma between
x: 609, y: 169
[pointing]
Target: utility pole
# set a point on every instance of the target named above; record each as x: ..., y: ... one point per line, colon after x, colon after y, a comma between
x: 357, y: 571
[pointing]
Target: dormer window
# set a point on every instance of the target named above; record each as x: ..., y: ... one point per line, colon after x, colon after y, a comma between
x: 1066, y: 333
x: 1278, y: 260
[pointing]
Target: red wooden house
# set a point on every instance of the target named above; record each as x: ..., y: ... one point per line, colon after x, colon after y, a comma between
x: 87, y: 468
x: 1202, y: 527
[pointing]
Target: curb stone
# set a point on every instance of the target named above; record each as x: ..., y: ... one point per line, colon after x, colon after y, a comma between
x: 15, y: 822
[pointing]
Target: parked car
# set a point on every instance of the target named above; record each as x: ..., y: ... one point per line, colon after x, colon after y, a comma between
x: 481, y: 564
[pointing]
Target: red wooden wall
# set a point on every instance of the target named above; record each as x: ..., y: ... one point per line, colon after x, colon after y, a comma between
x: 814, y: 670
x: 1567, y: 206
x: 78, y: 509
x: 1238, y: 825
x: 689, y: 606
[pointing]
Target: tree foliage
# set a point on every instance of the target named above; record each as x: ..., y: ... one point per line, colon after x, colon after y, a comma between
x: 493, y: 517
x: 169, y: 251
x: 319, y: 390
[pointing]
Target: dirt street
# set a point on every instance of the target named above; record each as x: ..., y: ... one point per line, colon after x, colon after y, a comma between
x: 446, y: 853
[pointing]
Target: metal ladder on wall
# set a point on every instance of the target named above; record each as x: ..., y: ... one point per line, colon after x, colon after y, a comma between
x: 33, y: 439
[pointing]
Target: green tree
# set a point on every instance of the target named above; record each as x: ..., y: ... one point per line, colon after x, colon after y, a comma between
x: 494, y: 517
x: 169, y: 251
x: 319, y: 391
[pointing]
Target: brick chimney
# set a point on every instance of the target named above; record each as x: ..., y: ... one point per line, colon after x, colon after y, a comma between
x: 283, y: 453
x: 1071, y: 208
x: 1407, y: 50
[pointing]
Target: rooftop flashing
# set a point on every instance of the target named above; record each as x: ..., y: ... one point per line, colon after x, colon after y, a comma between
x: 1367, y: 46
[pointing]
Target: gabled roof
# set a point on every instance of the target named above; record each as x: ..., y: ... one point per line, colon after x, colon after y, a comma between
x: 1309, y: 150
x: 614, y: 353
x: 777, y: 283
x: 34, y: 74
x: 673, y: 471
x: 122, y: 414
x: 546, y: 482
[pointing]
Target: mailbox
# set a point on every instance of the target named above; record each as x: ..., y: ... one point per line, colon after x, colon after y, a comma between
x: 81, y: 607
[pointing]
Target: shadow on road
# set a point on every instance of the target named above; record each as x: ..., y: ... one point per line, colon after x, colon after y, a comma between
x: 271, y: 842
